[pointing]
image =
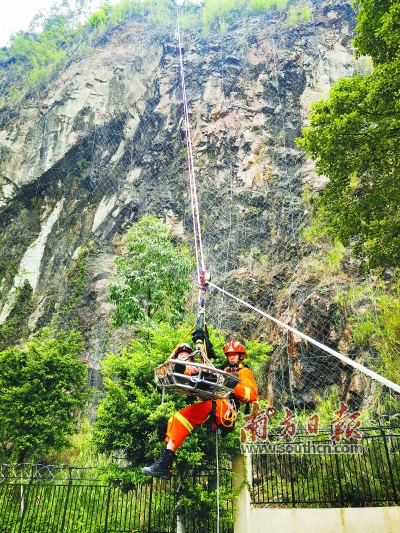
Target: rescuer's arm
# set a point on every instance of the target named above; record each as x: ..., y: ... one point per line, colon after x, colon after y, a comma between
x: 246, y: 390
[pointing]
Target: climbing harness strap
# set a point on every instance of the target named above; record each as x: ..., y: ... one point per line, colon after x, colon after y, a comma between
x: 228, y: 419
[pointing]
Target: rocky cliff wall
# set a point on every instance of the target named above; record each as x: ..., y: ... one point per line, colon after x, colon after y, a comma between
x: 106, y: 145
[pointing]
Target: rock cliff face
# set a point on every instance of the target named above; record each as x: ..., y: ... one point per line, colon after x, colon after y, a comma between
x: 107, y: 145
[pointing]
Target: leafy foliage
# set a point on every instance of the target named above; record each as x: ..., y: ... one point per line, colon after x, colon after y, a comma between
x: 42, y: 388
x: 152, y: 277
x: 34, y: 58
x: 378, y: 29
x: 377, y: 324
x: 299, y: 12
x: 98, y: 18
x: 266, y: 5
x: 224, y: 9
x: 221, y: 9
x: 354, y: 138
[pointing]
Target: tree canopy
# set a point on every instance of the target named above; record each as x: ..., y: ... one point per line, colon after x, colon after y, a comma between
x: 152, y: 276
x: 378, y: 29
x: 354, y: 138
x: 43, y: 386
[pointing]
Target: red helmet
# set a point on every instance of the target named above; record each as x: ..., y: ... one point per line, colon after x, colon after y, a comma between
x: 185, y: 347
x: 235, y: 347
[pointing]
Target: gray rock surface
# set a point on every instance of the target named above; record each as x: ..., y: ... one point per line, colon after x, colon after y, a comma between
x: 106, y: 145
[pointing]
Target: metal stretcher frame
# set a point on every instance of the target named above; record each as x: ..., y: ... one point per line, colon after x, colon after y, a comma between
x: 205, y: 381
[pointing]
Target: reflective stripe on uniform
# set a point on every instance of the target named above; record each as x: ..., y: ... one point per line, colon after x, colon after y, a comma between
x: 247, y: 392
x: 184, y: 422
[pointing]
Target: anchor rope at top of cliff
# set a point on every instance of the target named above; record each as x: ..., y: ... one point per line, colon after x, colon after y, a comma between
x: 192, y: 178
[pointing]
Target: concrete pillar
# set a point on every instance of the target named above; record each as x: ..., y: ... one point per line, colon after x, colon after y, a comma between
x: 241, y: 481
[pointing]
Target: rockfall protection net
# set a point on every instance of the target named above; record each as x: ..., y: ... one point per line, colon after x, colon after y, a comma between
x: 90, y: 170
x: 307, y: 375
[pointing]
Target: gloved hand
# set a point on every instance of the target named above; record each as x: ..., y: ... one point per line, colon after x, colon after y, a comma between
x: 231, y: 382
x: 179, y: 368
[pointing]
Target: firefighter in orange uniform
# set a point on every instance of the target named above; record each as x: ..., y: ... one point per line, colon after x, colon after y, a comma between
x: 221, y: 412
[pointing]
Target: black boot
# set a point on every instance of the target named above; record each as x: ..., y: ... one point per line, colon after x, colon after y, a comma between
x: 162, y: 467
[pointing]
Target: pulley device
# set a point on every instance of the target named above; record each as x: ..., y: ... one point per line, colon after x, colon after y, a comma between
x: 196, y: 376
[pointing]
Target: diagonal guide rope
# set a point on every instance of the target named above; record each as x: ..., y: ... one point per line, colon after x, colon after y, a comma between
x: 343, y: 358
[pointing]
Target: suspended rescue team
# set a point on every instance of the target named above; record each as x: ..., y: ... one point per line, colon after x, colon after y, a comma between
x: 221, y: 412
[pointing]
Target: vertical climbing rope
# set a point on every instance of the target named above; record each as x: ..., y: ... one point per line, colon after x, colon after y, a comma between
x: 192, y: 179
x: 196, y: 218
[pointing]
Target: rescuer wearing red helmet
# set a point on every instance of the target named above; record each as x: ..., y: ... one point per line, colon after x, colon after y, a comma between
x: 221, y: 412
x: 183, y: 353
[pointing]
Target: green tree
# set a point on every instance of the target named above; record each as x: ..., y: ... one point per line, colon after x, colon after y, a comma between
x: 378, y: 29
x: 354, y: 138
x: 98, y: 18
x: 152, y: 276
x: 43, y: 385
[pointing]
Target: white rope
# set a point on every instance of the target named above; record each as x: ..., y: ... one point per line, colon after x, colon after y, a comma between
x: 192, y: 178
x: 343, y: 358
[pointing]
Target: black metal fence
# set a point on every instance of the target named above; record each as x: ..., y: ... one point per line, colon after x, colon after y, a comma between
x: 39, y: 499
x: 316, y: 472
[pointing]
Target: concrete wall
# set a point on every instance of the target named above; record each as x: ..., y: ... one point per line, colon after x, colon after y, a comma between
x: 363, y: 520
x: 251, y: 519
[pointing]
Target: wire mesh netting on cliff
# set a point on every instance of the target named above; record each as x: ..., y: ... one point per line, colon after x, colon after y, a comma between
x: 107, y: 146
x: 254, y: 215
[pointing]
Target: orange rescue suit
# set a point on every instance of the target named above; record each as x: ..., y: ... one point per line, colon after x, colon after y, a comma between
x: 183, y: 422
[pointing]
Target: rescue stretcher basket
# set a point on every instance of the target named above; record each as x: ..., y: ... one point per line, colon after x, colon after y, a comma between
x: 201, y: 380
